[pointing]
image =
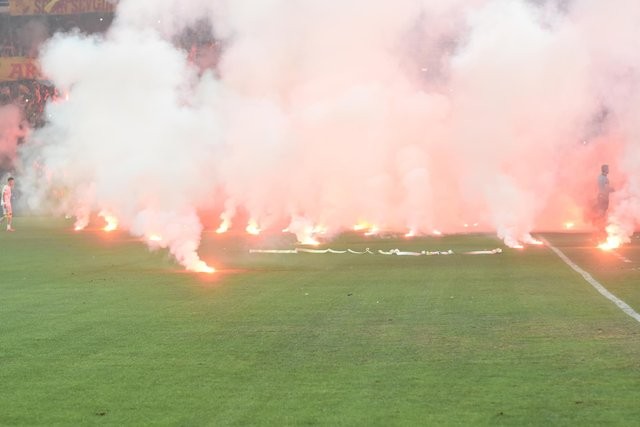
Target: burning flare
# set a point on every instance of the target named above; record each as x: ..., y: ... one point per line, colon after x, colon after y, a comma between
x: 309, y: 241
x: 361, y: 226
x: 82, y: 219
x: 224, y: 227
x: 611, y: 244
x: 253, y: 228
x: 373, y: 231
x: 201, y: 267
x: 614, y: 238
x: 306, y: 237
x: 111, y: 221
x: 530, y: 240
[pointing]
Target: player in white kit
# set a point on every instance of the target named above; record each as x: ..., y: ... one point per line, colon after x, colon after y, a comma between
x: 5, y: 200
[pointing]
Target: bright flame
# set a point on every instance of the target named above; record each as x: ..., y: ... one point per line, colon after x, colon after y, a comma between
x: 112, y: 221
x: 612, y: 243
x: 614, y: 239
x: 155, y: 238
x: 569, y: 225
x: 411, y: 233
x: 224, y: 227
x: 82, y: 221
x: 306, y: 236
x: 530, y: 240
x: 112, y: 224
x: 372, y: 231
x: 513, y: 243
x: 253, y: 228
x: 201, y: 267
x: 309, y: 241
x: 437, y: 233
x: 361, y: 226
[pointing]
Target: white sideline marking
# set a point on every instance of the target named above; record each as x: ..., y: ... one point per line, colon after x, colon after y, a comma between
x: 593, y: 282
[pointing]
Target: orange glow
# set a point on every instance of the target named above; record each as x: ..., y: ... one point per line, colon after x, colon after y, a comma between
x: 308, y: 236
x: 361, y: 226
x: 372, y: 231
x: 112, y: 224
x: 202, y: 267
x: 309, y: 241
x: 612, y: 243
x: 81, y: 222
x: 253, y: 228
x: 411, y: 233
x: 569, y: 225
x: 112, y: 221
x: 614, y: 239
x: 224, y: 227
x: 155, y: 238
x: 437, y: 233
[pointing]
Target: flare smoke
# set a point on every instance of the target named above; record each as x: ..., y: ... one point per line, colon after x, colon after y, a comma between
x: 412, y: 115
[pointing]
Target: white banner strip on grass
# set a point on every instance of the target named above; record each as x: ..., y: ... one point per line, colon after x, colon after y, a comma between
x: 368, y: 251
x: 273, y: 251
x: 593, y: 282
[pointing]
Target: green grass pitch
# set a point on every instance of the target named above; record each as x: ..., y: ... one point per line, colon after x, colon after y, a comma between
x: 95, y: 329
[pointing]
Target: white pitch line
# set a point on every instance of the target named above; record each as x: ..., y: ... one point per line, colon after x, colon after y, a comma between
x: 593, y: 282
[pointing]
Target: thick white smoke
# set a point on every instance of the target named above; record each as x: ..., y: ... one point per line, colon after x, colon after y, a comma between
x: 132, y: 141
x: 613, y: 41
x: 414, y: 115
x: 12, y: 129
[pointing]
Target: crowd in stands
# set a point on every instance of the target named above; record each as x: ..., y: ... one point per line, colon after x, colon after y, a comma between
x: 22, y: 37
x: 200, y: 43
x: 30, y: 95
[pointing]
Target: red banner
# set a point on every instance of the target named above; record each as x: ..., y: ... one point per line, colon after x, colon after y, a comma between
x: 60, y: 7
x: 16, y: 68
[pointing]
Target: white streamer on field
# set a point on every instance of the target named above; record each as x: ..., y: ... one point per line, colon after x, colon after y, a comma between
x: 367, y: 251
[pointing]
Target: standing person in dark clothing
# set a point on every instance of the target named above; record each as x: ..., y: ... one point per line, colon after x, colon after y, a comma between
x: 602, y: 204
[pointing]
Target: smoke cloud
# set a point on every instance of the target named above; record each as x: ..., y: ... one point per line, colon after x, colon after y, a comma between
x: 12, y: 130
x: 417, y: 116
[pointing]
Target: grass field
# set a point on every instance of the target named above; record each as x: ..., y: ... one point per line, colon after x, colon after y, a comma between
x: 97, y: 330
